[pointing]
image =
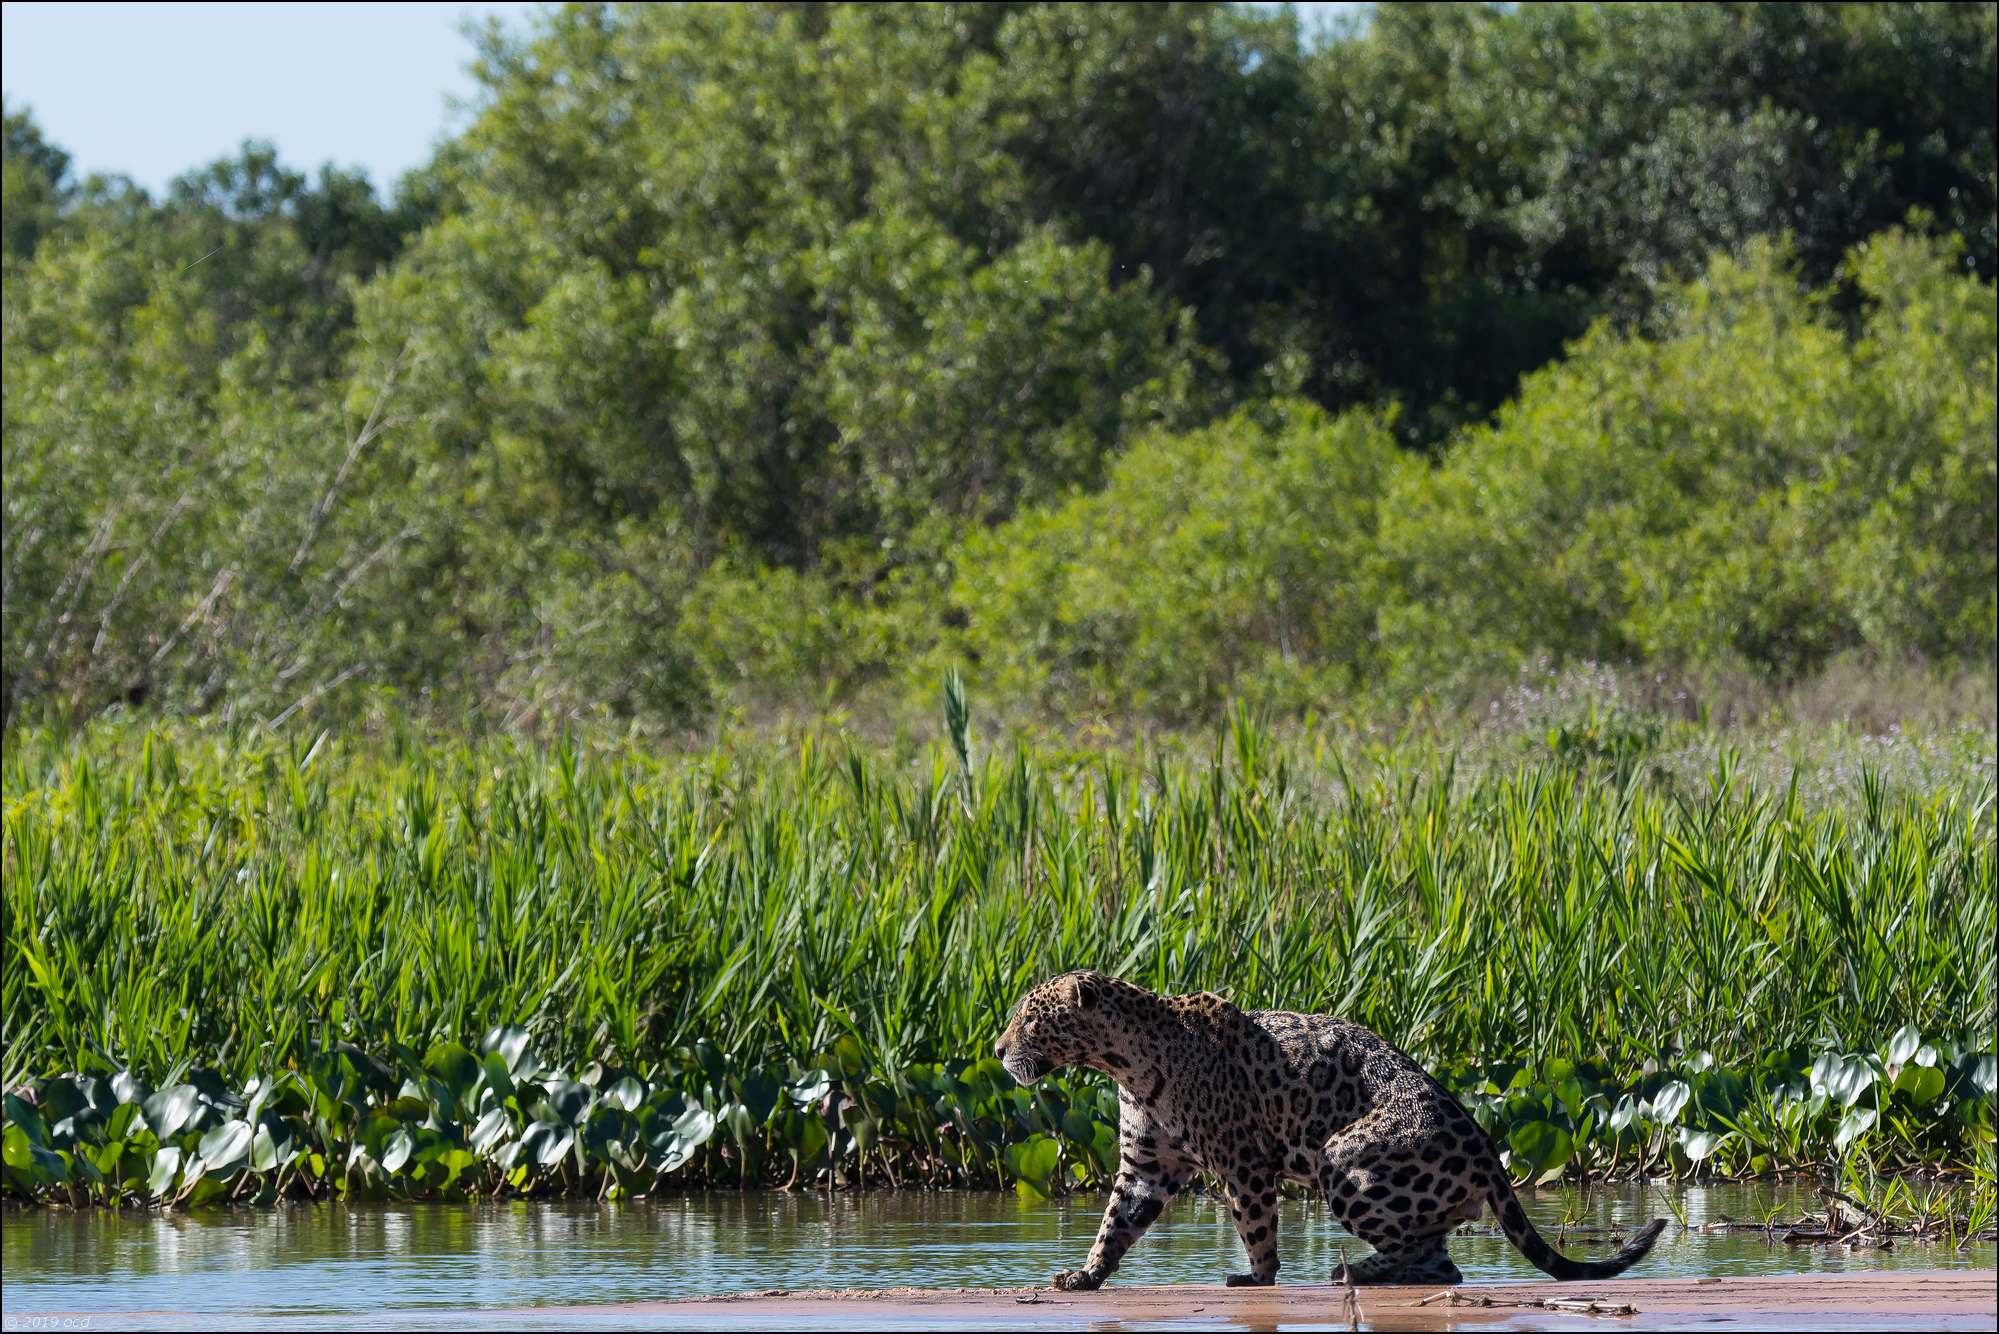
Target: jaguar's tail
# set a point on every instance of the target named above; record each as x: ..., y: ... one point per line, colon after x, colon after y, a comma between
x: 1514, y: 1222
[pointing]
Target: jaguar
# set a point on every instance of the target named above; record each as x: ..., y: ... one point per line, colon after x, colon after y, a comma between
x: 1254, y: 1098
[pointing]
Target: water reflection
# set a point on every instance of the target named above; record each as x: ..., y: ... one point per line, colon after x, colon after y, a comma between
x: 366, y: 1260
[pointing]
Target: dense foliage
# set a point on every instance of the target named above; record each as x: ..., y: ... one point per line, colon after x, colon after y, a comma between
x: 1143, y: 355
x: 1616, y: 972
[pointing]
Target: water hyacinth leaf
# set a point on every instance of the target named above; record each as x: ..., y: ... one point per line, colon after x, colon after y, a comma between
x: 216, y: 1090
x: 441, y: 1100
x: 411, y: 1105
x: 123, y: 1119
x: 810, y: 1139
x: 60, y: 1099
x: 50, y: 1166
x: 1571, y: 1093
x: 761, y: 1093
x: 1670, y: 1101
x: 1540, y: 1146
x: 128, y: 1088
x: 398, y: 1150
x: 226, y: 1145
x: 568, y: 1101
x: 554, y: 1145
x: 493, y: 1127
x: 265, y: 1151
x: 27, y: 1119
x: 206, y: 1190
x: 454, y: 1161
x: 607, y: 1124
x: 1852, y: 1126
x: 337, y: 1077
x: 626, y: 1094
x: 538, y: 1136
x: 1904, y: 1044
x: 14, y: 1149
x: 741, y: 1127
x: 1855, y: 1077
x: 106, y: 1157
x: 166, y: 1166
x: 1700, y: 1145
x: 1033, y: 1162
x: 1921, y: 1084
x: 810, y: 1087
x: 695, y: 1126
x: 510, y: 1044
x: 1104, y: 1147
x: 986, y: 1076
x: 374, y: 1133
x: 498, y: 1077
x: 849, y: 1056
x: 1719, y: 1092
x: 457, y: 1071
x: 170, y: 1109
x: 709, y: 1057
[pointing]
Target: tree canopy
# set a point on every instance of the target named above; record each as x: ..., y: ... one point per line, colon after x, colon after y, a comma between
x: 1137, y: 356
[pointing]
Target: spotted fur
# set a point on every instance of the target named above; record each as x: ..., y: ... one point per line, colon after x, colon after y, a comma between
x: 1255, y: 1098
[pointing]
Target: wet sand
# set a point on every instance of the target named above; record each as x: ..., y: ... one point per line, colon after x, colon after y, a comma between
x: 1935, y: 1299
x: 1907, y: 1300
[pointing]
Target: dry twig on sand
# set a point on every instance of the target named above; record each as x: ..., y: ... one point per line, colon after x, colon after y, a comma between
x: 1565, y: 1305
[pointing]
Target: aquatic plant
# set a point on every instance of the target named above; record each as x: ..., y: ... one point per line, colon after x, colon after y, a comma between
x: 786, y: 959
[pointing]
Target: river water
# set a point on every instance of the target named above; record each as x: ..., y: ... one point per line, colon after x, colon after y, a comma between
x: 393, y: 1264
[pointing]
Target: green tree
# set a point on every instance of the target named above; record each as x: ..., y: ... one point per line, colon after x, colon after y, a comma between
x: 1233, y: 558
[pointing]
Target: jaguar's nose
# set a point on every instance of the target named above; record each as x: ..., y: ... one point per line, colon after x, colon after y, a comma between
x: 999, y: 1049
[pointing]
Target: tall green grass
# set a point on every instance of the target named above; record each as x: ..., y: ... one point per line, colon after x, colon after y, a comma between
x: 243, y: 903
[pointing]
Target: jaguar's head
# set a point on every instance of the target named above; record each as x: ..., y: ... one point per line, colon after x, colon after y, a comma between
x: 1060, y: 1022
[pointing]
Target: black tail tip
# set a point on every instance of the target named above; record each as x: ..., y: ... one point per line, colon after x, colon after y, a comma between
x: 1642, y: 1240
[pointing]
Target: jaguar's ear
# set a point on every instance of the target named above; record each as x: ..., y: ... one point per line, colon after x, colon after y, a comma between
x: 1088, y: 990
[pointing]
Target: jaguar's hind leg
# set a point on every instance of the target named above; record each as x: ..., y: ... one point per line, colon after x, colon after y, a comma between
x: 1395, y: 1187
x: 1420, y: 1264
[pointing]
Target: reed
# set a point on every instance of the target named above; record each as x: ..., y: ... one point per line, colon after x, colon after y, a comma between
x: 1565, y: 944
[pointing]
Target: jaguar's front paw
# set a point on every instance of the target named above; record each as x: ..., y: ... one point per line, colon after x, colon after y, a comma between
x: 1076, y: 1280
x: 1250, y: 1281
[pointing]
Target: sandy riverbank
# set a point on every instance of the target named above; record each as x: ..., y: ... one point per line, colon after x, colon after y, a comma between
x: 1960, y: 1299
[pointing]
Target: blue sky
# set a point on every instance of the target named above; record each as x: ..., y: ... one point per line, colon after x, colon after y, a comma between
x: 154, y: 89
x: 151, y: 90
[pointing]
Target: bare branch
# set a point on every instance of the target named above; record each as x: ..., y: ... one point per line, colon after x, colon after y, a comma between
x: 215, y: 590
x: 140, y: 562
x: 311, y: 695
x: 373, y: 427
